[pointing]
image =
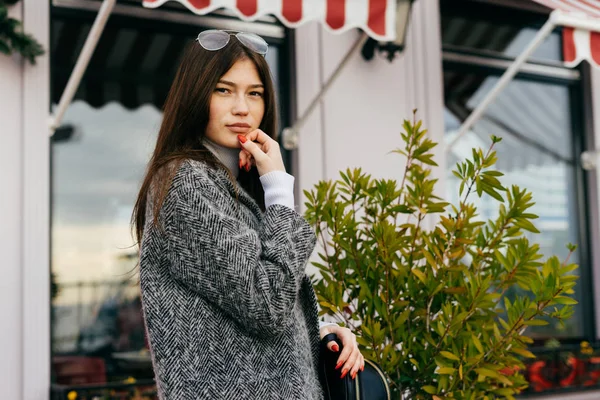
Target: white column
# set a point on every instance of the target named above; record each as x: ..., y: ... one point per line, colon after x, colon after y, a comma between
x: 35, y: 271
x: 11, y: 212
x: 433, y: 80
x: 426, y: 53
x: 309, y: 158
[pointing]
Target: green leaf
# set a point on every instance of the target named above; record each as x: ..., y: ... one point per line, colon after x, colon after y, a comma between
x: 477, y: 343
x: 493, y: 173
x: 427, y: 159
x: 565, y: 300
x: 419, y: 275
x: 446, y: 371
x: 403, y: 209
x: 504, y: 392
x: 489, y: 190
x: 535, y: 322
x: 523, y: 352
x: 429, y: 389
x: 525, y: 224
x: 487, y: 372
x: 449, y: 355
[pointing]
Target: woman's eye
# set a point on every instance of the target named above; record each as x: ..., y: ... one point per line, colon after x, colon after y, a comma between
x: 221, y: 90
x: 259, y: 94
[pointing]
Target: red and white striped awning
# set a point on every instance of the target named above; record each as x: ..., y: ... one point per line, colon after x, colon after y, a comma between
x: 578, y: 44
x: 376, y: 17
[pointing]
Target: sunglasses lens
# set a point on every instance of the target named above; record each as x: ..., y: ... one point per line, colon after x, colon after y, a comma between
x: 213, y: 40
x: 253, y: 42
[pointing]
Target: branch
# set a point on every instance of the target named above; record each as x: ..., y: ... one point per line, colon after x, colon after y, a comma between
x: 516, y: 326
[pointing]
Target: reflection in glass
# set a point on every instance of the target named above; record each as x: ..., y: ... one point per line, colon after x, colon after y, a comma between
x: 97, y: 320
x: 536, y: 153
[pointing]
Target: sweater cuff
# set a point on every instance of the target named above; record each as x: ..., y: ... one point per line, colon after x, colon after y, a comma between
x: 279, y: 189
x: 323, y: 324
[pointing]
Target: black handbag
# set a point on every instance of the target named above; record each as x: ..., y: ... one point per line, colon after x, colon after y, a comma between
x: 369, y: 384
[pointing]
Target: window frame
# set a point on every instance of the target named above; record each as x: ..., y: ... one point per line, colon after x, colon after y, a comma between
x: 578, y: 81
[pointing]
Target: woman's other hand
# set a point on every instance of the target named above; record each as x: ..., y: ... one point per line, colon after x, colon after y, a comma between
x: 350, y: 360
x: 263, y: 149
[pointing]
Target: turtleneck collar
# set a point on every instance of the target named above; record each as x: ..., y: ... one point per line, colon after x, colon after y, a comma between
x: 229, y: 157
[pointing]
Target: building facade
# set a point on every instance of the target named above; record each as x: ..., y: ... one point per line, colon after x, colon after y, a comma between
x: 70, y: 312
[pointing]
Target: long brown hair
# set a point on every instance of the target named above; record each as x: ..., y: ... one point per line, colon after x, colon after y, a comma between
x: 186, y: 115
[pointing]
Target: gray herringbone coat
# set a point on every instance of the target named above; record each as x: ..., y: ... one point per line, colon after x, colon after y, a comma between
x: 229, y: 311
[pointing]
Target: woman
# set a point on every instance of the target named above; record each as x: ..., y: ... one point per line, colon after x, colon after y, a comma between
x: 229, y: 310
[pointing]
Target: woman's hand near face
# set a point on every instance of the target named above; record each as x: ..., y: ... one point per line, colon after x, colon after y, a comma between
x: 350, y: 360
x: 263, y: 149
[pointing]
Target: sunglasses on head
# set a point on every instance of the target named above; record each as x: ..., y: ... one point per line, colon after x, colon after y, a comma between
x: 213, y: 40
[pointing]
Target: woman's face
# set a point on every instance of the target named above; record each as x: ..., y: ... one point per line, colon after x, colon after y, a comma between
x: 237, y: 105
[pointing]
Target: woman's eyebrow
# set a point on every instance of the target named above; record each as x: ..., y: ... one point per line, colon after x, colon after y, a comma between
x: 258, y: 85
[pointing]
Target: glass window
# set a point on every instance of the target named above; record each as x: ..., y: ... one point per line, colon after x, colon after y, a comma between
x: 535, y: 122
x: 98, y: 160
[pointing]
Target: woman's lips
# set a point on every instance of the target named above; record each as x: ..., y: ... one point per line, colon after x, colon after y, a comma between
x: 239, y: 128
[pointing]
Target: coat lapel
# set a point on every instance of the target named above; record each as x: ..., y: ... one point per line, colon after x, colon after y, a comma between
x: 248, y: 201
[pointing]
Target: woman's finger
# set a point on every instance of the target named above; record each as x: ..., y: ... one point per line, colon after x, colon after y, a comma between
x: 266, y: 156
x: 344, y: 355
x: 348, y: 343
x: 252, y: 148
x: 259, y: 136
x: 333, y: 346
x: 352, y: 365
x: 244, y: 158
x: 360, y: 363
x: 246, y: 161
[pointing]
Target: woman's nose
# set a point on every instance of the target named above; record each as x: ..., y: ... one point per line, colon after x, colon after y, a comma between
x: 240, y: 106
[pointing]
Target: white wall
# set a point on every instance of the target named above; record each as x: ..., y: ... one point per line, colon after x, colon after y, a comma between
x: 11, y: 160
x: 360, y: 119
x: 35, y: 270
x: 24, y: 209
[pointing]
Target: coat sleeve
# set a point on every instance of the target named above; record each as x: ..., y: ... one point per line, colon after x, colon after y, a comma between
x: 252, y: 275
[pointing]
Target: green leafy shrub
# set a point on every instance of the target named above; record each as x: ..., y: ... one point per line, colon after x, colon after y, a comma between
x: 12, y: 37
x: 444, y: 310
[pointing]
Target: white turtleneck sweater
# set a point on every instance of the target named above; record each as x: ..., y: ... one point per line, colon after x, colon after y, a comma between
x: 277, y: 185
